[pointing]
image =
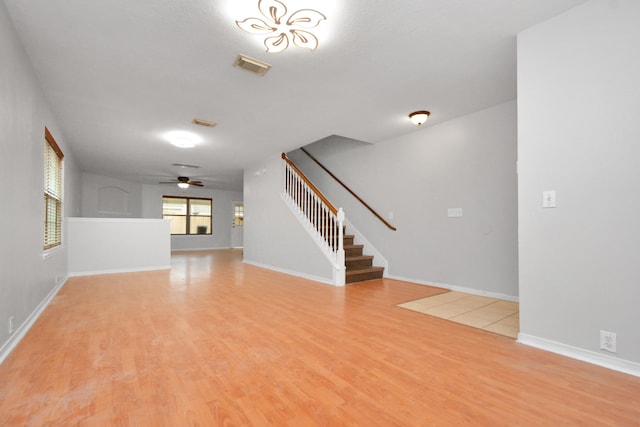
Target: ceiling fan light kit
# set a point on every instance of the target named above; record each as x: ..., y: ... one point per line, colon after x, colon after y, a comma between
x: 184, y: 182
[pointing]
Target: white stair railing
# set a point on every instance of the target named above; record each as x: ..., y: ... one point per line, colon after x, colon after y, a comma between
x: 323, y: 220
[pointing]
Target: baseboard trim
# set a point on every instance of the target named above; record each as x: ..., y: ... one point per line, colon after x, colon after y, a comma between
x: 620, y: 365
x: 119, y: 270
x: 204, y: 249
x: 456, y: 288
x: 22, y: 330
x: 323, y: 280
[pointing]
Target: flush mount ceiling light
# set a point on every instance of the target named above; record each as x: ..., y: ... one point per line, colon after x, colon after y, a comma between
x: 281, y: 28
x: 419, y: 117
x: 182, y: 139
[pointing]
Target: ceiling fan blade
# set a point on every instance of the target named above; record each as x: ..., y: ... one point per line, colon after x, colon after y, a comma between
x: 183, y: 180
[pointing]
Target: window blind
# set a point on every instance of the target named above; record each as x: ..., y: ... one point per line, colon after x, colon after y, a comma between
x: 188, y: 215
x: 52, y: 192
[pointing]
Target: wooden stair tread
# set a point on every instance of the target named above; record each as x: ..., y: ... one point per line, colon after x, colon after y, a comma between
x: 355, y: 262
x: 364, y: 270
x: 358, y: 257
x: 359, y: 267
x: 363, y: 274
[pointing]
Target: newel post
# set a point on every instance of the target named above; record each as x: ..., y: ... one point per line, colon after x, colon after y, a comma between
x: 340, y: 269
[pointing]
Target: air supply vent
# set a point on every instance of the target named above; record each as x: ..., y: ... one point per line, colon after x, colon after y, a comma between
x: 251, y: 64
x: 183, y: 165
x: 203, y: 122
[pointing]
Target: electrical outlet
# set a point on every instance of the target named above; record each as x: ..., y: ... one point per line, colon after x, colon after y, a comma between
x: 11, y: 324
x: 608, y: 341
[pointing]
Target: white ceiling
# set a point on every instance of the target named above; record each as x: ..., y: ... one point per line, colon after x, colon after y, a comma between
x: 121, y: 73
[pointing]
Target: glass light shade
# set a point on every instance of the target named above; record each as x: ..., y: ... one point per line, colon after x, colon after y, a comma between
x: 183, y: 185
x: 183, y: 143
x: 419, y: 117
x: 182, y: 139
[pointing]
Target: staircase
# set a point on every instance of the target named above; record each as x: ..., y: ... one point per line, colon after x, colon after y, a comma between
x: 325, y: 224
x: 359, y: 267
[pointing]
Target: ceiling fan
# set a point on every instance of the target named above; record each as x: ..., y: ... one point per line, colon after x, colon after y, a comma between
x: 183, y: 182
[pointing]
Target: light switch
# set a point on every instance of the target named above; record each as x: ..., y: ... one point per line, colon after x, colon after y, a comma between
x: 549, y: 199
x: 454, y: 212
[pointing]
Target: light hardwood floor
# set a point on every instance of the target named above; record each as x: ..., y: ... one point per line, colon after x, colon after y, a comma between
x: 216, y: 342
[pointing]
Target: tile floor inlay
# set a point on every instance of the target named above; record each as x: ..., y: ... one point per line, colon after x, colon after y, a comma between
x: 490, y: 314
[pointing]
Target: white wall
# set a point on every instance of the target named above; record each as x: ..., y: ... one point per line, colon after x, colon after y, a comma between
x: 27, y: 280
x: 107, y: 197
x: 579, y: 134
x: 126, y: 199
x: 114, y: 245
x: 273, y: 237
x: 468, y: 163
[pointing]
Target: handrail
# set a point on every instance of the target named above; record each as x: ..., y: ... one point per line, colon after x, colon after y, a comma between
x: 310, y: 184
x: 348, y: 189
x: 322, y: 220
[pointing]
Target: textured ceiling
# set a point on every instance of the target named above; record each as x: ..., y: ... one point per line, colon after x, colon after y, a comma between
x: 121, y: 73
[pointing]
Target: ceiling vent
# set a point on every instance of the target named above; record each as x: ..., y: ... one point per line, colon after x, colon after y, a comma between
x: 203, y: 122
x: 183, y: 165
x: 251, y: 64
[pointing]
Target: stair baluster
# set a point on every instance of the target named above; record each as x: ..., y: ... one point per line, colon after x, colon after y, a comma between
x: 326, y: 224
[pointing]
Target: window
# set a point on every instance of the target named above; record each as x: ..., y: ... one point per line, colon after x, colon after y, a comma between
x: 52, y: 192
x: 238, y: 214
x: 188, y: 215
